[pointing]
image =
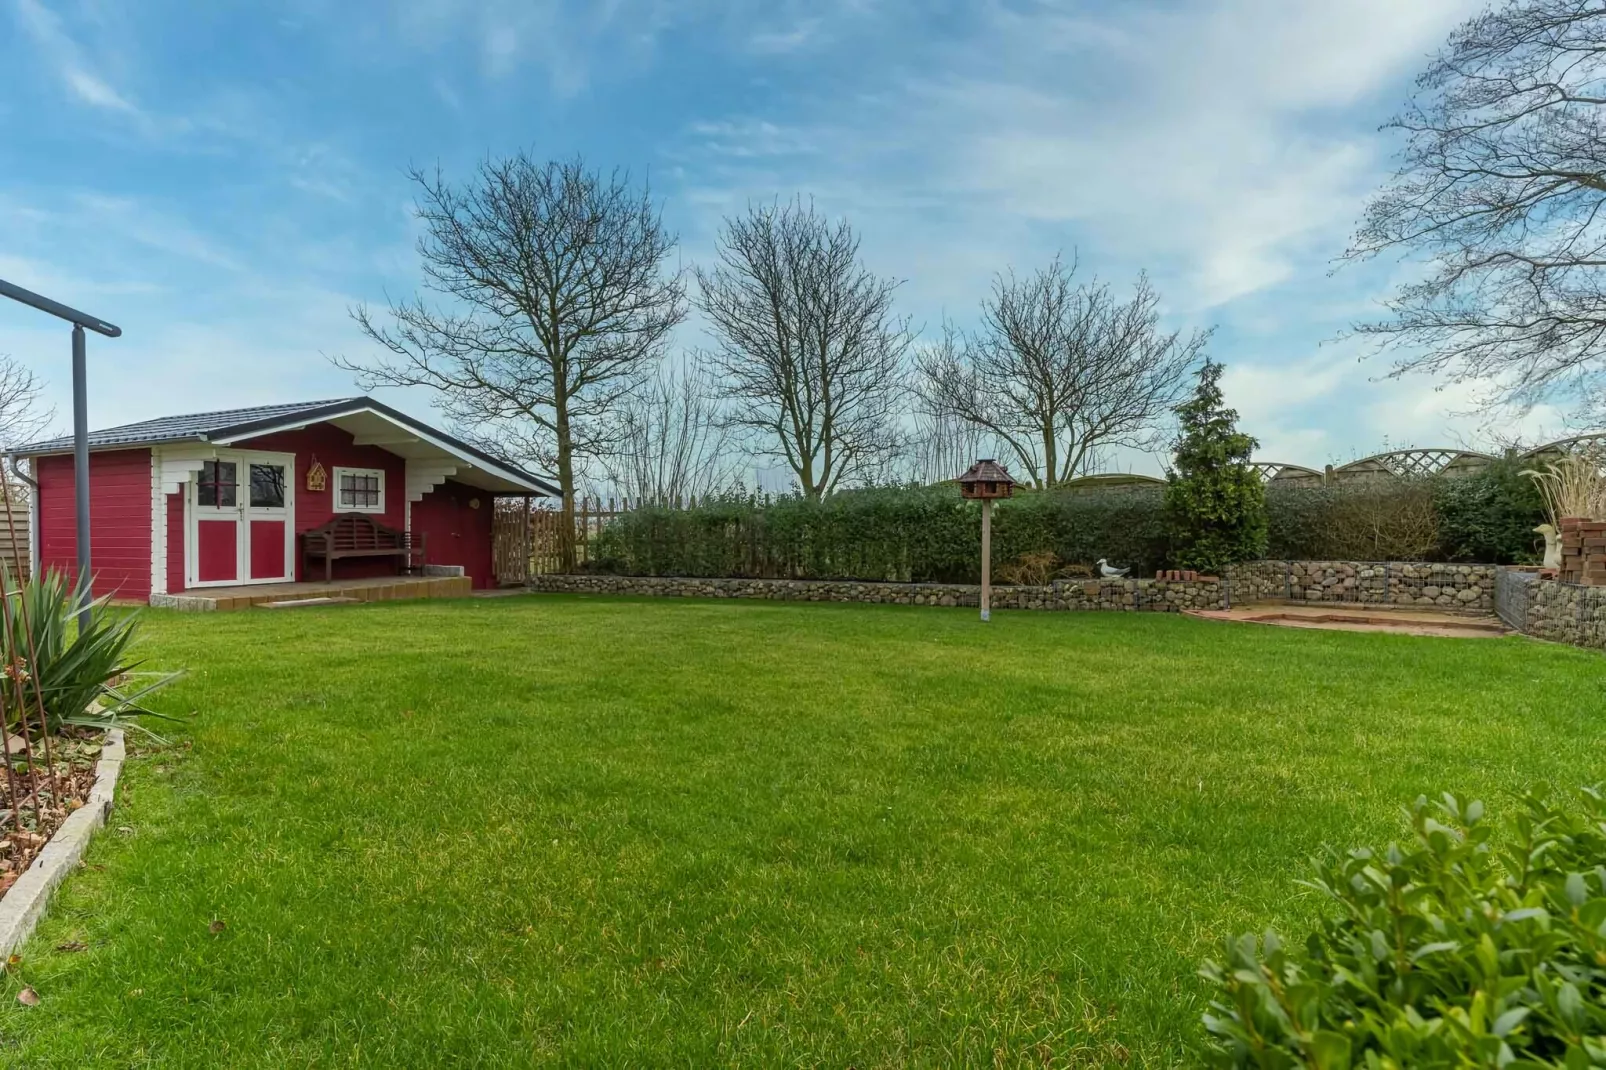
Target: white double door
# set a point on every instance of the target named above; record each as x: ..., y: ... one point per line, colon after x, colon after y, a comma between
x: 240, y: 520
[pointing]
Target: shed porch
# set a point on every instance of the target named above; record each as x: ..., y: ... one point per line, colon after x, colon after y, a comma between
x: 364, y: 589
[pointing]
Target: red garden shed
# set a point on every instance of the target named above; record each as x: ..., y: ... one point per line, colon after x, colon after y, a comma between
x: 226, y: 499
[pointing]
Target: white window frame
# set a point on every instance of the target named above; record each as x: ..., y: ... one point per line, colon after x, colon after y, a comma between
x: 335, y: 474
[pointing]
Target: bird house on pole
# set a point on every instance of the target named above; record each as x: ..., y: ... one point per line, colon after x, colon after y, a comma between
x: 986, y: 481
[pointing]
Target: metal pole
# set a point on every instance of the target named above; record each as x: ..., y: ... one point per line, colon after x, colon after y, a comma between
x: 80, y: 460
x: 80, y: 412
x: 986, y: 558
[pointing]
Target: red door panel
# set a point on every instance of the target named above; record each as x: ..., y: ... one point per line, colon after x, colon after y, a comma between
x: 267, y: 549
x: 217, y: 550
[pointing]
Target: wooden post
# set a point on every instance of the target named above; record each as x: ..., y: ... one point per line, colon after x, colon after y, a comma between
x: 986, y: 558
x: 527, y: 548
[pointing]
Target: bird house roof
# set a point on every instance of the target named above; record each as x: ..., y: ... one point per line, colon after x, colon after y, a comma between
x: 986, y: 471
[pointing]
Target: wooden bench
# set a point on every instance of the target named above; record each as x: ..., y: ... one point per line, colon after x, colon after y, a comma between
x: 357, y: 535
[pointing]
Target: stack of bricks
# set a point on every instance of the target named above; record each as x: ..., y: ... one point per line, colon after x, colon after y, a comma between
x: 1583, y: 551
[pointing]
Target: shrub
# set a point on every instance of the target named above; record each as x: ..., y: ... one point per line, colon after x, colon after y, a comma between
x: 73, y: 668
x: 1036, y: 569
x: 1215, y: 501
x: 1490, y: 515
x: 1463, y: 947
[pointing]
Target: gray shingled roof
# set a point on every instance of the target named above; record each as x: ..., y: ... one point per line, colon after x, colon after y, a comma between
x: 180, y: 428
x: 238, y: 423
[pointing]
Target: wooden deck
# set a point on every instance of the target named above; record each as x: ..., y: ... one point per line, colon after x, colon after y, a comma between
x: 372, y: 589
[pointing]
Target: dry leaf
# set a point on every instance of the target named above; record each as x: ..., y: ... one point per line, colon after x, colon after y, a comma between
x: 28, y: 997
x: 216, y: 926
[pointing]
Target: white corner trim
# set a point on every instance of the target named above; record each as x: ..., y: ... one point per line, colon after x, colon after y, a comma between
x: 180, y: 463
x: 24, y: 903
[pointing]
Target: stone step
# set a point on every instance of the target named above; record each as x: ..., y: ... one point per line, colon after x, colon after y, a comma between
x: 301, y: 603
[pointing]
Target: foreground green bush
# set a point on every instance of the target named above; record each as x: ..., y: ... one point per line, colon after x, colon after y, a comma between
x: 1465, y: 947
x: 83, y: 677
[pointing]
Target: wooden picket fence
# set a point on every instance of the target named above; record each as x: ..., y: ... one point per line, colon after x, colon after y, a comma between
x: 14, y: 529
x: 529, y: 533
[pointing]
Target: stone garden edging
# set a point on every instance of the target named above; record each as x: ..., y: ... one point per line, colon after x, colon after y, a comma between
x: 24, y: 903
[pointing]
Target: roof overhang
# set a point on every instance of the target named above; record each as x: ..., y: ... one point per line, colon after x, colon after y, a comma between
x: 370, y: 423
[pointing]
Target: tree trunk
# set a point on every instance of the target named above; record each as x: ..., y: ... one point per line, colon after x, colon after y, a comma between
x: 565, y: 484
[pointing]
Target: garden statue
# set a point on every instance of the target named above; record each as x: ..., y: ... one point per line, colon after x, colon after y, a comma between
x: 1552, y: 546
x: 1109, y: 571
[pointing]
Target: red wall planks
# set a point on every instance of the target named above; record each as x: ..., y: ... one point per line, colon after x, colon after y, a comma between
x: 459, y: 533
x: 119, y: 520
x: 175, y: 543
x: 333, y: 447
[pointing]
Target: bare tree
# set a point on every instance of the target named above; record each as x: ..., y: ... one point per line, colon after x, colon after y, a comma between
x: 1501, y: 190
x: 810, y: 354
x: 23, y: 417
x: 1060, y: 372
x: 672, y: 443
x: 557, y: 305
x: 942, y: 446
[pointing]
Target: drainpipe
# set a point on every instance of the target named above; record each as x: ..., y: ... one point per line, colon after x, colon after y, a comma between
x: 11, y: 463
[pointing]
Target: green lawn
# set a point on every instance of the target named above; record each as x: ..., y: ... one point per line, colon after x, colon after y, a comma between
x: 615, y: 832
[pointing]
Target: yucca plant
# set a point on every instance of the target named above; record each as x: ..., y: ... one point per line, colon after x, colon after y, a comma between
x: 1573, y: 486
x: 85, y: 677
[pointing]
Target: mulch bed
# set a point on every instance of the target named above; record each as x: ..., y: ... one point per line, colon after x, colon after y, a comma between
x: 20, y: 841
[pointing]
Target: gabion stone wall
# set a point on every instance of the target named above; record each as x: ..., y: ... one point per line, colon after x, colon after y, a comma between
x: 1551, y: 609
x: 1407, y: 583
x: 1400, y: 583
x: 1133, y: 596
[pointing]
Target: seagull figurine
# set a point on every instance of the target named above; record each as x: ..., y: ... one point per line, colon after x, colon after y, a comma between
x: 1109, y: 571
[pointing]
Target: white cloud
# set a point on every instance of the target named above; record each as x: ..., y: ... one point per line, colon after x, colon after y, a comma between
x: 1198, y: 140
x: 92, y: 90
x: 1226, y: 147
x: 577, y: 42
x: 64, y: 54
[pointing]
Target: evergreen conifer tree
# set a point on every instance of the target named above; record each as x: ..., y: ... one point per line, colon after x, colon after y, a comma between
x: 1215, y: 500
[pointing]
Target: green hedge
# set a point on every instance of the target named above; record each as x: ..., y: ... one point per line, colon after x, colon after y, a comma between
x: 930, y: 534
x: 920, y: 534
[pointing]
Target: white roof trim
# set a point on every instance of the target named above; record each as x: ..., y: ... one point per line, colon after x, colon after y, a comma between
x: 420, y: 433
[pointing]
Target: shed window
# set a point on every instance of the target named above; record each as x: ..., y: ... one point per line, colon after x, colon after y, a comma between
x: 267, y: 486
x: 359, y: 490
x: 216, y: 484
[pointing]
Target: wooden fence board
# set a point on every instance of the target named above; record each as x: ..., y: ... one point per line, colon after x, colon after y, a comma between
x: 529, y: 537
x: 14, y: 529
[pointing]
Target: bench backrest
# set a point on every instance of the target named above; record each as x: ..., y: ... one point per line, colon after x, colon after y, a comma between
x: 354, y: 531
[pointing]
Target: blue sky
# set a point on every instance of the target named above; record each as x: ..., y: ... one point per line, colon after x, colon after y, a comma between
x: 225, y: 180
